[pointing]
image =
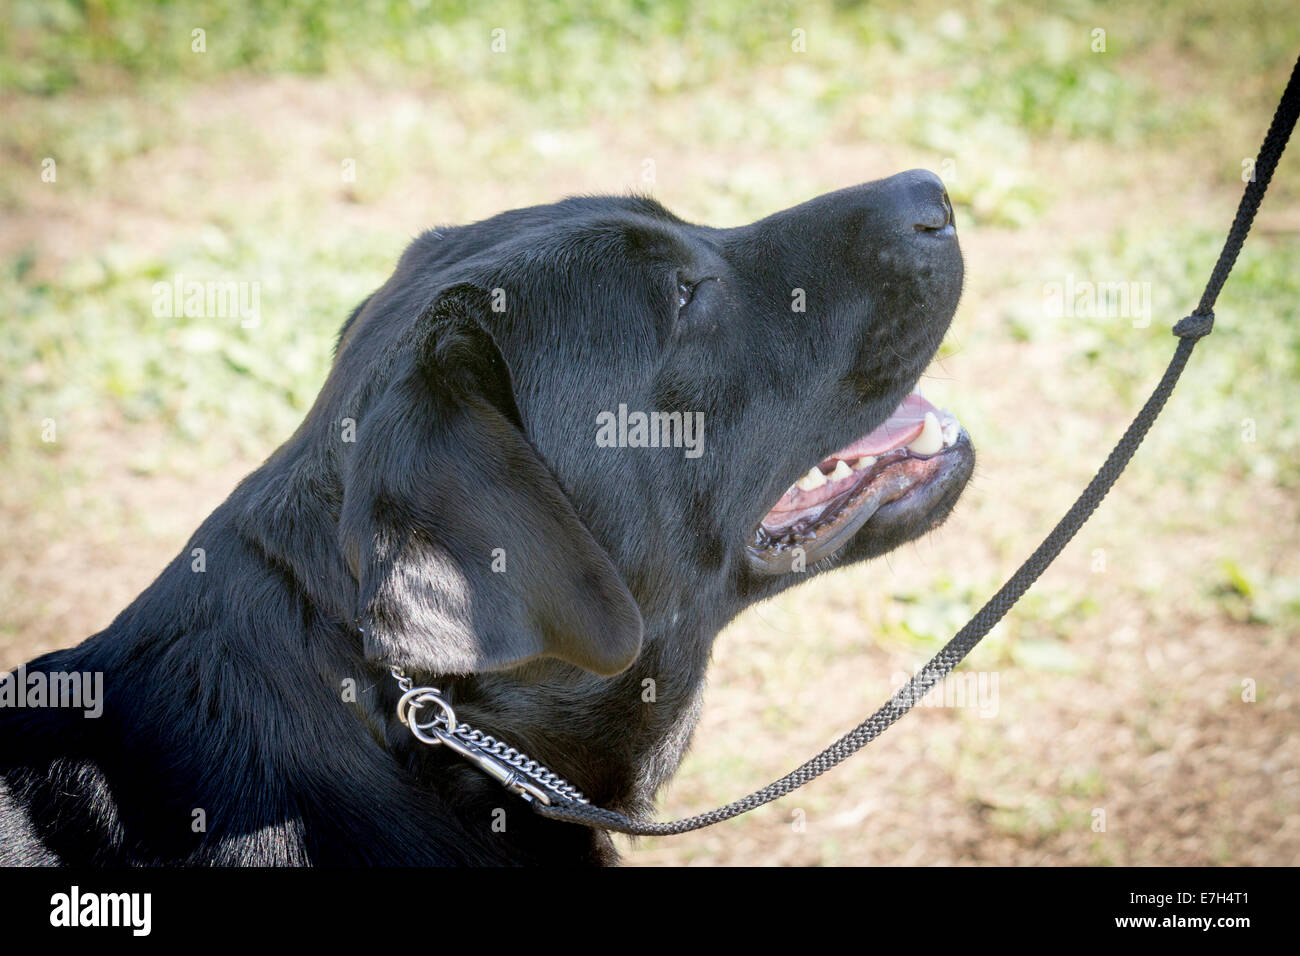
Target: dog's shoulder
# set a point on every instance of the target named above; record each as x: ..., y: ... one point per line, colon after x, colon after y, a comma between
x: 20, y: 843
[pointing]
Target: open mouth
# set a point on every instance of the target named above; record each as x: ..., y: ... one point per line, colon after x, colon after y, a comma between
x: 902, y: 469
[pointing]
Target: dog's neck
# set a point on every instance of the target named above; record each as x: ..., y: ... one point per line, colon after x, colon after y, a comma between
x: 618, y: 739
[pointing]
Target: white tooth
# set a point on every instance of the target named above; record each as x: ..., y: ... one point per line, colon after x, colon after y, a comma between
x: 931, y: 438
x: 862, y: 464
x: 842, y: 470
x: 950, y: 434
x: 813, y: 480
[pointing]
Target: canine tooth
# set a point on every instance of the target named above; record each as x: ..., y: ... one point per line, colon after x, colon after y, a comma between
x: 842, y: 470
x: 813, y: 480
x: 862, y: 464
x: 931, y: 438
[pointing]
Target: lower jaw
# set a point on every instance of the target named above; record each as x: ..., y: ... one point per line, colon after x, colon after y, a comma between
x: 905, y: 494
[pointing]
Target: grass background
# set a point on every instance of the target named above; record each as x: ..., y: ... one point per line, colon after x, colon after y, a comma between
x: 1120, y: 676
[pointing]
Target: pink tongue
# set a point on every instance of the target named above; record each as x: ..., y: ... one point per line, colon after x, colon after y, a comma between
x: 900, y: 428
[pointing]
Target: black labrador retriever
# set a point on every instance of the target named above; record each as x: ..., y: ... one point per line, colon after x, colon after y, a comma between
x: 557, y: 451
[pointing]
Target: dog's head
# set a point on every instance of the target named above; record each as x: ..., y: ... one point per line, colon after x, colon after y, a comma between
x: 572, y: 419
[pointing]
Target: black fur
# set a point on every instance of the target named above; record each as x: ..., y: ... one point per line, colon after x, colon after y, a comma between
x: 470, y: 383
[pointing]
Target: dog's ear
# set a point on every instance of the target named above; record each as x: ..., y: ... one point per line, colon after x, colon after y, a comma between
x: 467, y: 554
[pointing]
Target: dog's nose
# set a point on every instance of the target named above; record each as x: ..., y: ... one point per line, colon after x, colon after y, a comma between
x: 921, y: 202
x: 899, y: 226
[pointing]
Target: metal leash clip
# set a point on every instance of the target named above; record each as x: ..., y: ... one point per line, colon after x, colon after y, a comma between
x: 442, y: 729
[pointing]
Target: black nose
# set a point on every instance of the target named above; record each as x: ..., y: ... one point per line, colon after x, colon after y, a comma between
x: 899, y: 225
x: 921, y: 202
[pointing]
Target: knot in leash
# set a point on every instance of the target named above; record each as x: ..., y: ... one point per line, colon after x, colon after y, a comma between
x: 1195, y: 326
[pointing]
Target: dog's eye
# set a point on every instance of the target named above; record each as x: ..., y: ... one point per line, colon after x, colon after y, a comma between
x: 696, y: 302
x: 684, y: 294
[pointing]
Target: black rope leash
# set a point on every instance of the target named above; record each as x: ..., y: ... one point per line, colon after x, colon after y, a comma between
x: 1189, y: 331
